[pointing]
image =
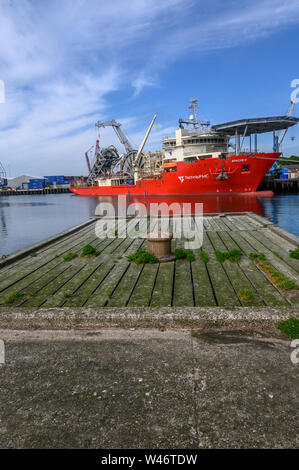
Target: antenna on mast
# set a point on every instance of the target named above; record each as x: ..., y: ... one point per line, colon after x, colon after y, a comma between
x: 193, y: 118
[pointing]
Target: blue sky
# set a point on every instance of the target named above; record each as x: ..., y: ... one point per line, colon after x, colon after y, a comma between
x: 68, y: 64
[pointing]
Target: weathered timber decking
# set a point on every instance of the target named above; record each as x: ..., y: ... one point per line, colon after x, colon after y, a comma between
x: 109, y: 280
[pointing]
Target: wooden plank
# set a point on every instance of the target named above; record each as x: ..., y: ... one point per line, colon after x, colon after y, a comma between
x: 223, y: 289
x: 106, y: 289
x: 142, y: 294
x: 264, y: 237
x: 237, y: 223
x: 34, y: 280
x: 183, y: 294
x: 19, y: 273
x: 203, y: 291
x: 52, y: 287
x: 122, y: 293
x: 235, y: 273
x: 162, y: 294
x: 183, y: 289
x: 38, y: 277
x: 230, y: 226
x: 268, y: 292
x: 276, y: 262
x: 53, y: 247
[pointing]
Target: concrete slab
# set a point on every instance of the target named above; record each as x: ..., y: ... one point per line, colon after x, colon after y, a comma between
x: 116, y: 388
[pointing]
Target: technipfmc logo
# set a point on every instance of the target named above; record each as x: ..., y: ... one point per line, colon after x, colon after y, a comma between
x: 2, y: 92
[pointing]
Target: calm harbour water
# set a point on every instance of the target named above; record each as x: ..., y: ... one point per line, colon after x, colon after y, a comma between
x: 25, y: 220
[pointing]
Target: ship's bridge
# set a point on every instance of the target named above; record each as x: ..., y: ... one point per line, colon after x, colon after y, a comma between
x: 188, y: 144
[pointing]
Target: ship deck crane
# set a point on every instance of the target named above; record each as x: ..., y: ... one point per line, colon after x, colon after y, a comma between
x: 120, y: 134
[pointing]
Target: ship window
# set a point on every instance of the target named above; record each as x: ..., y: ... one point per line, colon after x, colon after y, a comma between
x: 244, y: 167
x: 202, y: 157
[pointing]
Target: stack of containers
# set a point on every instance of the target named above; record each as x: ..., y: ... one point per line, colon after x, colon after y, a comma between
x: 57, y: 180
x: 284, y: 174
x: 37, y: 183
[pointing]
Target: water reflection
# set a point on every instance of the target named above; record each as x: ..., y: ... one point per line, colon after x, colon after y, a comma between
x: 211, y: 204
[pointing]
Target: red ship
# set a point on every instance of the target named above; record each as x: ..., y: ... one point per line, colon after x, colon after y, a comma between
x: 200, y: 160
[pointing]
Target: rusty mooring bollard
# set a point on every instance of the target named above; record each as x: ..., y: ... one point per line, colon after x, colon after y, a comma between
x: 159, y: 244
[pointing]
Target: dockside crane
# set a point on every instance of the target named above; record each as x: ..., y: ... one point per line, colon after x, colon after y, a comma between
x: 3, y: 176
x: 283, y: 134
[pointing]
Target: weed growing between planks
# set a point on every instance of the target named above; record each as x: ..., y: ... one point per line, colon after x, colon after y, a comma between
x: 246, y: 295
x: 233, y: 255
x: 70, y: 256
x: 295, y: 253
x: 204, y: 257
x: 89, y: 251
x: 278, y: 278
x: 183, y: 254
x: 14, y: 298
x: 142, y: 257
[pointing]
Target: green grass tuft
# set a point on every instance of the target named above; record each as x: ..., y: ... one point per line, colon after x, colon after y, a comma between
x: 289, y: 327
x: 70, y: 256
x: 204, y: 256
x: 183, y: 254
x: 33, y: 254
x: 142, y: 256
x: 277, y: 277
x: 190, y: 256
x: 233, y: 255
x: 246, y: 295
x: 219, y: 256
x: 257, y: 256
x: 14, y: 298
x: 67, y: 295
x: 180, y: 253
x: 89, y: 251
x: 295, y: 253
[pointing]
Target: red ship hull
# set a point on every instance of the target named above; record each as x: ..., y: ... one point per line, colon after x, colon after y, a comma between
x: 244, y: 174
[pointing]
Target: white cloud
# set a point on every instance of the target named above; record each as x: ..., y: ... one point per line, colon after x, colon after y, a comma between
x: 61, y: 61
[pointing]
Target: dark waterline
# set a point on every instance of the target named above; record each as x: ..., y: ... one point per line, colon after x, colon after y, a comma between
x: 25, y: 220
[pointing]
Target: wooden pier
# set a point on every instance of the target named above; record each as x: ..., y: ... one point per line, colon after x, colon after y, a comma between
x: 279, y: 186
x: 43, y: 279
x: 27, y: 192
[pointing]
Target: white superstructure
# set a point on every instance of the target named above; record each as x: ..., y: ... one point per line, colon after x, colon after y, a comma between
x: 192, y: 144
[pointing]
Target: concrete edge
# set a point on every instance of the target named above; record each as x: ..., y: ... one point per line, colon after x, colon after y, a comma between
x: 198, y: 317
x: 47, y: 241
